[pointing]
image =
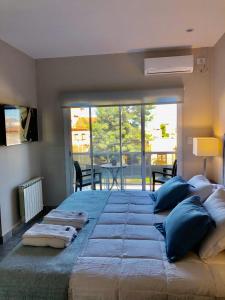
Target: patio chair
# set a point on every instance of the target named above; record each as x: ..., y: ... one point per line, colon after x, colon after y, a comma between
x: 83, y: 177
x: 165, y: 175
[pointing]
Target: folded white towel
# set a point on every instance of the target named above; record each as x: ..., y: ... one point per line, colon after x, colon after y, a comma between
x: 56, y: 236
x: 61, y: 217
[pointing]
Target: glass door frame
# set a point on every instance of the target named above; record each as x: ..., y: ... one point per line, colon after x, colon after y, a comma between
x: 69, y: 170
x: 143, y: 161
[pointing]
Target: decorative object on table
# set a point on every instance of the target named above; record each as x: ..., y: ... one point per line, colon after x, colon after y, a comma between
x: 83, y: 177
x: 75, y: 219
x: 165, y: 175
x: 205, y: 147
x: 113, y: 162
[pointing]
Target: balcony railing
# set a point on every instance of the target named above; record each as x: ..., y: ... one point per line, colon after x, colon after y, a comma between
x: 131, y: 175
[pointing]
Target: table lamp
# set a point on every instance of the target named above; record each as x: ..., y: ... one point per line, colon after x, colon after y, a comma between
x: 205, y: 147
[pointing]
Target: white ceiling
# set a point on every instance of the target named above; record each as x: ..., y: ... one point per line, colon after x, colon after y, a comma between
x: 58, y: 28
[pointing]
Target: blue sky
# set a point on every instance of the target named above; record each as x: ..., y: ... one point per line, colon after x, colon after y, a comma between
x: 12, y: 113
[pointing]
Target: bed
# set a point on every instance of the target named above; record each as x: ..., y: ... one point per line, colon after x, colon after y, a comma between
x: 42, y: 273
x: 118, y: 255
x: 125, y: 259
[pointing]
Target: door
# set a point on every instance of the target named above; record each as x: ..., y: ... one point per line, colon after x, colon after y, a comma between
x: 125, y: 143
x: 105, y: 123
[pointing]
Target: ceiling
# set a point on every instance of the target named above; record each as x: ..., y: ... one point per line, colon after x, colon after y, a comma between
x: 60, y: 28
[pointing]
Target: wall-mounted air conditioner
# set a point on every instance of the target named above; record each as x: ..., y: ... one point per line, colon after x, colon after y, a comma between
x: 169, y: 65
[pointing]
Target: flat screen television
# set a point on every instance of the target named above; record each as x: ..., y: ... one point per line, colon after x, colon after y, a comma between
x: 18, y: 124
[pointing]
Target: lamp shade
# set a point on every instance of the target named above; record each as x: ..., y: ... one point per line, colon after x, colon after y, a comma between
x: 205, y: 146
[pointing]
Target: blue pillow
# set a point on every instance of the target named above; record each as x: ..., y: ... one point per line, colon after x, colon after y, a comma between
x: 171, y: 193
x: 185, y: 227
x: 153, y: 196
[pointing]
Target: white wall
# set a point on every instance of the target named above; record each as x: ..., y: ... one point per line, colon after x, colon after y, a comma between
x: 20, y: 162
x: 113, y: 72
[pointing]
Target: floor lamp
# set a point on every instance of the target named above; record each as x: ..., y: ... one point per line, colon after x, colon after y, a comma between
x: 205, y: 147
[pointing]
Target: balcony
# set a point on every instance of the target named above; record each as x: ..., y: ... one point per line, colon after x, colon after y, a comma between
x: 130, y: 176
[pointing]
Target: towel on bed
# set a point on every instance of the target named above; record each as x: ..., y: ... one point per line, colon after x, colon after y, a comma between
x: 71, y: 218
x: 56, y: 236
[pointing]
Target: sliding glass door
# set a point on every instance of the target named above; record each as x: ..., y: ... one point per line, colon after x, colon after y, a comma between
x: 131, y: 146
x: 80, y: 135
x: 124, y: 143
x: 160, y: 138
x: 106, y: 144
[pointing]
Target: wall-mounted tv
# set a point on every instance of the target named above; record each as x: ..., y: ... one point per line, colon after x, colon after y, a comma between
x: 18, y: 124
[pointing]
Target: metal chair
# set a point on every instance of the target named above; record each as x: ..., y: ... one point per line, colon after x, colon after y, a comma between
x: 165, y: 175
x: 83, y: 177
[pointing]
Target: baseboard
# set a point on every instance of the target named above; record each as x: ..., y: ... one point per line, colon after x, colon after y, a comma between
x: 47, y: 209
x: 20, y: 225
x: 6, y: 237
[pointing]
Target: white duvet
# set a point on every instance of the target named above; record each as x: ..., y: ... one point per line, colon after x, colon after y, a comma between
x: 125, y: 259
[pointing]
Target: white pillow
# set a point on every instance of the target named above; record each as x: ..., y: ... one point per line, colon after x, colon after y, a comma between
x: 197, y: 179
x: 217, y: 186
x: 201, y: 187
x: 215, y: 240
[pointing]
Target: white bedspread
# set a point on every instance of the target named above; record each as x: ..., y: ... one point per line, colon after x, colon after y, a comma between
x: 125, y: 259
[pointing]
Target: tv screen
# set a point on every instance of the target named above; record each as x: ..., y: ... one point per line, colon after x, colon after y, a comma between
x: 20, y: 124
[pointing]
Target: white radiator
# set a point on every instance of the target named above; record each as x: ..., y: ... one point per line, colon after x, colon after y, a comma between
x: 31, y: 199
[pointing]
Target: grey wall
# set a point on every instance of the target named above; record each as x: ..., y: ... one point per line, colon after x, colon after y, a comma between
x: 218, y: 91
x: 113, y: 72
x: 21, y: 162
x: 93, y: 73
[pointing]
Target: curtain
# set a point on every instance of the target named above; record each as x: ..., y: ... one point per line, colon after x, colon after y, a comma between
x: 129, y: 97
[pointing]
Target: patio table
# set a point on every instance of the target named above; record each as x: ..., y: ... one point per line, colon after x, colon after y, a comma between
x: 114, y: 171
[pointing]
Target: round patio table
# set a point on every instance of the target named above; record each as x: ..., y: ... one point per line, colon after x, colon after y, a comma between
x: 114, y: 171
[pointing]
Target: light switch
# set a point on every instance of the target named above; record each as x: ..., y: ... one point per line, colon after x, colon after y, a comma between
x: 190, y: 140
x: 201, y: 61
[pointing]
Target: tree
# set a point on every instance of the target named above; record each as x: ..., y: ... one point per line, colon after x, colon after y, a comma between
x: 106, y: 134
x: 165, y: 134
x: 82, y: 123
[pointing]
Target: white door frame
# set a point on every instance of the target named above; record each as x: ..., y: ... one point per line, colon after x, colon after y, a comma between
x: 69, y: 168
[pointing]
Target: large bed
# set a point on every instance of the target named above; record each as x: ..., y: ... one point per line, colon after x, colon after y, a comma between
x: 118, y: 255
x: 42, y: 273
x: 125, y: 259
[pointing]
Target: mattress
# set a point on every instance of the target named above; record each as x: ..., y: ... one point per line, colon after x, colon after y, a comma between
x: 125, y: 259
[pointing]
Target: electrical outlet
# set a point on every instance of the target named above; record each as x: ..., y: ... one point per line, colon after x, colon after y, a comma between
x: 201, y: 61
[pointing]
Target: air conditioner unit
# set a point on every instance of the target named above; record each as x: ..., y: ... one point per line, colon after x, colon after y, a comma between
x: 169, y: 65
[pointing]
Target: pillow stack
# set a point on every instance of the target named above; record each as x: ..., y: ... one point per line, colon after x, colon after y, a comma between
x: 214, y: 243
x: 188, y: 219
x: 200, y: 218
x: 201, y: 187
